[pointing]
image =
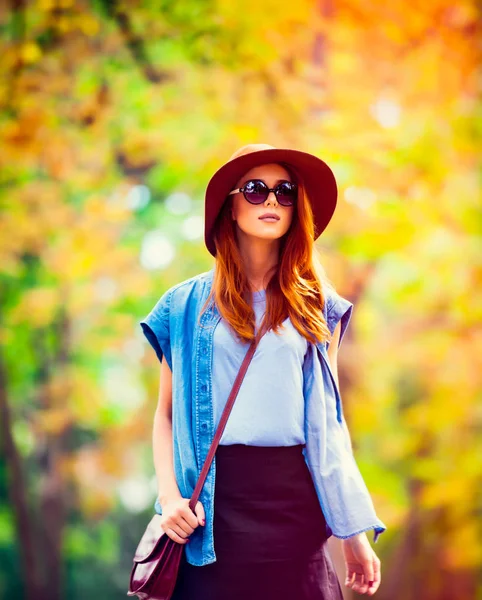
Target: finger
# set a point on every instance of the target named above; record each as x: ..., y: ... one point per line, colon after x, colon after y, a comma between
x: 369, y: 585
x: 374, y: 584
x: 361, y: 586
x: 373, y: 588
x: 189, y: 517
x: 350, y: 579
x: 183, y: 528
x: 367, y: 576
x: 367, y: 567
x: 368, y: 571
x: 359, y: 583
x: 201, y: 515
x: 174, y: 536
x: 178, y: 525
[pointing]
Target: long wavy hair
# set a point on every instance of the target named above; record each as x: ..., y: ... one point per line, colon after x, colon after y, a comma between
x: 295, y: 286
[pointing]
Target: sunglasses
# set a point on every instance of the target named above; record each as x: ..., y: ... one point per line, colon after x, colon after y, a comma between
x: 256, y: 191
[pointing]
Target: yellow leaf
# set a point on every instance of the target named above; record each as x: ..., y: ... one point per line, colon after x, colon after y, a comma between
x: 88, y: 25
x: 30, y: 52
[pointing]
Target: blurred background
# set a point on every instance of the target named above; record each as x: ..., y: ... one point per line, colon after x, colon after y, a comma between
x: 113, y: 117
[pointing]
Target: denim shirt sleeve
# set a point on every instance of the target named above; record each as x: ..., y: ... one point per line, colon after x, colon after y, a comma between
x: 156, y: 328
x: 337, y: 309
x: 343, y: 494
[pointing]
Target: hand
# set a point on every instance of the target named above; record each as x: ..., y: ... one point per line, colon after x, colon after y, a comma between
x: 362, y: 565
x: 178, y: 521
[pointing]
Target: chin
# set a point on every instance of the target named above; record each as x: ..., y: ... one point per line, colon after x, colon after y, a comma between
x: 273, y: 236
x: 275, y: 233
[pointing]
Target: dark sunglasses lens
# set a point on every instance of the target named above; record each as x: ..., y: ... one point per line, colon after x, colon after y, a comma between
x: 286, y: 193
x: 255, y: 192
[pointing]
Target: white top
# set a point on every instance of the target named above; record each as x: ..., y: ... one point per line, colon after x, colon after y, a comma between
x: 269, y: 408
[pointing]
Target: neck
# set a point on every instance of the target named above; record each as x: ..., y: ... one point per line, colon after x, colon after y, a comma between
x: 260, y: 257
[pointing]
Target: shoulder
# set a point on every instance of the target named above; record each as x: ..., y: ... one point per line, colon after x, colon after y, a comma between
x: 332, y: 297
x: 177, y: 295
x: 336, y: 308
x: 194, y: 284
x: 186, y: 283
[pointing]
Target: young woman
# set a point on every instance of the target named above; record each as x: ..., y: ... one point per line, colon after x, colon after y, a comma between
x: 284, y: 477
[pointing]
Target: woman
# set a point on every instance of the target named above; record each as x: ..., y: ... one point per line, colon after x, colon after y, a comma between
x: 284, y: 477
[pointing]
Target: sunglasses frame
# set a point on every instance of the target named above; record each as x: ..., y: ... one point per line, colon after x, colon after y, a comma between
x: 269, y: 190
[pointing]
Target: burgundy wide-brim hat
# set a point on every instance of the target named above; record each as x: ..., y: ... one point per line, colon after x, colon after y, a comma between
x: 318, y: 178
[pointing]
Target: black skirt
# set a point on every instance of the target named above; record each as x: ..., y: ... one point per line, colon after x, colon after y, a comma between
x: 269, y: 531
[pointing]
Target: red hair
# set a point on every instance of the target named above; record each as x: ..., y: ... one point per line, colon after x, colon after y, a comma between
x: 294, y: 289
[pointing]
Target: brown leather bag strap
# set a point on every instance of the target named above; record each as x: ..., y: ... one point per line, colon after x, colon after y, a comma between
x: 224, y: 417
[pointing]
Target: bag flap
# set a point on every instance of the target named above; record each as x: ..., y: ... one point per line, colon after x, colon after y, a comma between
x: 149, y: 541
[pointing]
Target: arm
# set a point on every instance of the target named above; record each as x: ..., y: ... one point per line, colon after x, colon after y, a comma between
x: 162, y: 439
x: 178, y: 520
x: 358, y: 554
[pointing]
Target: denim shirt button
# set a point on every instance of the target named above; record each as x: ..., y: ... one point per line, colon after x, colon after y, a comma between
x: 204, y: 350
x: 204, y: 426
x: 204, y: 387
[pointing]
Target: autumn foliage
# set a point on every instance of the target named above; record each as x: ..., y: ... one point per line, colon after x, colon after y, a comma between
x: 113, y: 116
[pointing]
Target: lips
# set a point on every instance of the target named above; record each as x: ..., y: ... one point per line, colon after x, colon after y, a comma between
x: 269, y: 217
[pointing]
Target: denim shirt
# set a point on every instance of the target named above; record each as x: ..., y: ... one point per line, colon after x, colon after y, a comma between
x: 173, y: 330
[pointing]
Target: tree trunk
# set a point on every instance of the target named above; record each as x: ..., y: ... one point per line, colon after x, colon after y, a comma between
x: 18, y: 497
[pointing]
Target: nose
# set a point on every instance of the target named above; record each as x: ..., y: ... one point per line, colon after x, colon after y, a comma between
x: 271, y: 200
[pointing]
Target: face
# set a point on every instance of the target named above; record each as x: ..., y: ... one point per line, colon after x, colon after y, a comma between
x: 247, y: 216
